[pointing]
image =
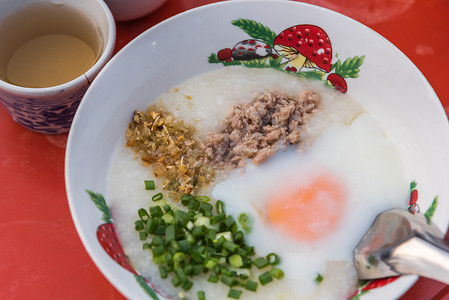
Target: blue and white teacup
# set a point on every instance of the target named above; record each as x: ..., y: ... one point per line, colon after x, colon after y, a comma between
x: 51, y: 109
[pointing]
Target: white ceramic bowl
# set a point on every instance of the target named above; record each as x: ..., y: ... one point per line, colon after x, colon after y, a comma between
x: 389, y: 86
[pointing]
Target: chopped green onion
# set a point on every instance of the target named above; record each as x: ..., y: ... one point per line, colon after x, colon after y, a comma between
x: 228, y: 280
x: 234, y: 227
x: 273, y: 259
x: 218, y: 243
x: 170, y: 233
x: 173, y: 246
x: 168, y: 218
x: 194, y: 205
x: 157, y: 197
x: 242, y: 272
x: 143, y: 215
x: 212, y: 234
x: 265, y: 278
x: 169, y: 261
x: 224, y: 270
x: 156, y: 211
x: 201, y: 295
x: 246, y: 222
x: 277, y: 273
x: 229, y: 221
x: 191, y: 214
x: 163, y: 272
x: 185, y: 199
x: 180, y: 273
x: 234, y: 294
x: 170, y: 267
x: 187, y: 285
x: 139, y: 225
x: 160, y: 230
x: 157, y: 240
x: 184, y: 245
x: 181, y: 218
x: 238, y: 237
x: 201, y: 249
x: 217, y: 218
x: 158, y: 250
x: 247, y: 262
x: 213, y: 278
x: 178, y: 258
x: 149, y: 185
x: 251, y: 285
x: 260, y: 262
x: 227, y: 235
x: 205, y: 207
x: 230, y: 246
x: 190, y: 225
x: 150, y: 226
x: 175, y: 281
x: 199, y: 231
x: 210, y: 264
x: 159, y: 260
x: 201, y: 220
x: 196, y: 270
x: 235, y: 261
x: 189, y: 237
x: 318, y: 278
x: 143, y: 235
x: 202, y: 198
x: 167, y: 208
x: 242, y: 252
x: 196, y: 256
x: 219, y: 207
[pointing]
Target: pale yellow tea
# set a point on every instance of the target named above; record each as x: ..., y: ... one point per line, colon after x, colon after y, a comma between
x: 47, y: 44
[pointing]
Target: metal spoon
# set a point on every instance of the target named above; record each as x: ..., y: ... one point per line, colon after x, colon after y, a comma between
x: 402, y: 243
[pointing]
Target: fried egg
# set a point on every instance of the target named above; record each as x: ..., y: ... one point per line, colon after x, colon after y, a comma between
x: 311, y: 207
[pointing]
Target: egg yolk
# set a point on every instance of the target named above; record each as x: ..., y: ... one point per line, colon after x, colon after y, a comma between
x: 308, y: 212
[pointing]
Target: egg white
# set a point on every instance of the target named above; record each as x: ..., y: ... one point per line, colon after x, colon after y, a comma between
x: 368, y: 165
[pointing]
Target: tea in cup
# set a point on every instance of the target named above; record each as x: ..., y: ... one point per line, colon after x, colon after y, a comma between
x: 50, y: 53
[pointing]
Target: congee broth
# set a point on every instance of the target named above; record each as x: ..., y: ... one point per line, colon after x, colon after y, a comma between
x: 297, y: 167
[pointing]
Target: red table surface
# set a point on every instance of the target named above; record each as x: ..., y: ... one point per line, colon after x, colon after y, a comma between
x: 40, y: 252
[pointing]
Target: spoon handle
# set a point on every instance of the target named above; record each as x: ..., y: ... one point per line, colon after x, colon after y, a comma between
x: 422, y: 256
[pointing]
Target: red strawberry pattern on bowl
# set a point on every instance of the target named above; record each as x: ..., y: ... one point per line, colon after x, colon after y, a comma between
x: 108, y: 240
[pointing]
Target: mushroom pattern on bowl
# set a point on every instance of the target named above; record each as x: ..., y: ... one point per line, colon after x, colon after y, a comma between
x: 295, y: 48
x: 305, y: 46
